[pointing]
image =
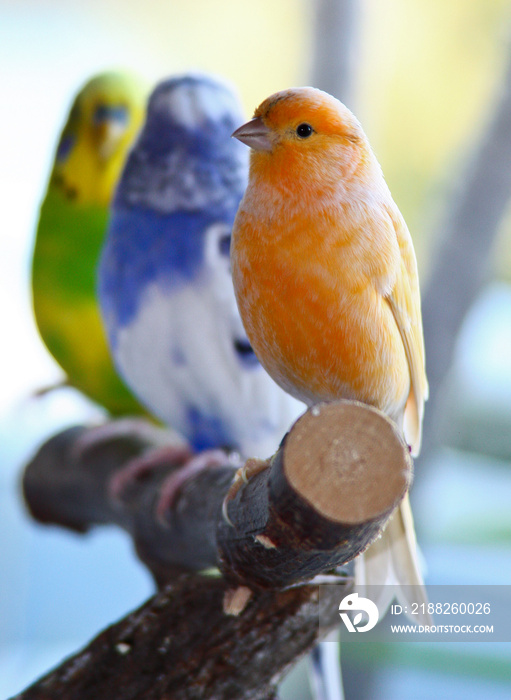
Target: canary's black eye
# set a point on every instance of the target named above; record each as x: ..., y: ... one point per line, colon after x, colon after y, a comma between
x: 304, y: 130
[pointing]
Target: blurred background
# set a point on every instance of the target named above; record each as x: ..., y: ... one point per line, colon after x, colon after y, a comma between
x: 426, y: 79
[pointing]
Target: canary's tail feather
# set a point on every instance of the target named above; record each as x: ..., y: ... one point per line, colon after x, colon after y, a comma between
x: 390, y: 567
x: 325, y: 669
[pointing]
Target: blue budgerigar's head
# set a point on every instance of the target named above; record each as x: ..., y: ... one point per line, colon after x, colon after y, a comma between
x: 185, y: 158
x: 181, y: 186
x: 196, y: 110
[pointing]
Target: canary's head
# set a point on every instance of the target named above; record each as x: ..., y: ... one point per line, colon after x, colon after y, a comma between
x: 304, y: 136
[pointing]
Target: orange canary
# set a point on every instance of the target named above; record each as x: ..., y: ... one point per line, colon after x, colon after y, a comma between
x: 326, y: 282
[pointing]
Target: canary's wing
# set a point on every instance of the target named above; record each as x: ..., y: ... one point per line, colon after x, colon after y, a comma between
x: 392, y: 563
x: 404, y: 301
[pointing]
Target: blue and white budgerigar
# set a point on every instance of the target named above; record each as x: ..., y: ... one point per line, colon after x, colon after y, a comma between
x: 165, y: 283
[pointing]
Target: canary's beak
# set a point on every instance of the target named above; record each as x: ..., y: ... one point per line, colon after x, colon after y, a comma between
x: 255, y: 134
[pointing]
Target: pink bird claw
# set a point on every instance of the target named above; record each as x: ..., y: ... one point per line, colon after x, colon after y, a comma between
x: 122, y: 427
x: 140, y: 467
x: 198, y: 463
x: 243, y: 475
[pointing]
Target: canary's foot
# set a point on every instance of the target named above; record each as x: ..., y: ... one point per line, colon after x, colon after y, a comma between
x: 173, y: 483
x: 251, y: 467
x: 139, y: 467
x: 123, y: 427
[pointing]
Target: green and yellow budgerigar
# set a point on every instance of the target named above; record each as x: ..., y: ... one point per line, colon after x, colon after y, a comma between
x: 103, y: 123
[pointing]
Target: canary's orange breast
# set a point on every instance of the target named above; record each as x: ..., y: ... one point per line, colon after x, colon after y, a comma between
x: 310, y: 290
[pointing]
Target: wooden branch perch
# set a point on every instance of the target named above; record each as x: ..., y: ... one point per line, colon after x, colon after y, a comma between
x: 329, y: 490
x: 70, y: 486
x: 181, y: 645
x: 326, y: 494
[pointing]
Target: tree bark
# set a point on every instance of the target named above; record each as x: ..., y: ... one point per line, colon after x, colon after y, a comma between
x: 181, y: 646
x: 331, y: 487
x: 328, y: 492
x: 321, y: 500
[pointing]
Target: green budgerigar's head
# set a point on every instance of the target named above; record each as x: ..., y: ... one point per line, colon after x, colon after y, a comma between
x: 103, y: 122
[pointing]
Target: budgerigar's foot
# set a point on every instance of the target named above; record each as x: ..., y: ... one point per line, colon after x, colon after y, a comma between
x: 173, y: 483
x: 140, y: 467
x: 251, y: 467
x: 122, y: 427
x: 44, y: 390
